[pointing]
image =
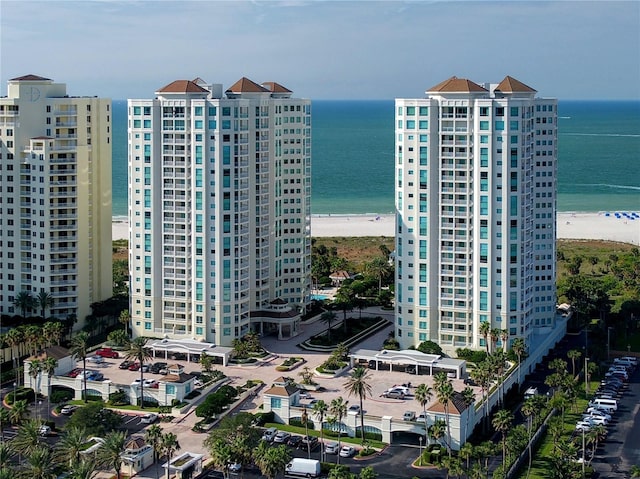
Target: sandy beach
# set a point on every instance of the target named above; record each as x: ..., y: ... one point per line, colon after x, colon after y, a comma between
x: 588, y: 226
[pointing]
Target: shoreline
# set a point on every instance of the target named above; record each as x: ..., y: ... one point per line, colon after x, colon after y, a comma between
x: 576, y: 225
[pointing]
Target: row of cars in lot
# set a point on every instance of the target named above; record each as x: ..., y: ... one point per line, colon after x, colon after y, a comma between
x: 604, y: 405
x: 272, y: 435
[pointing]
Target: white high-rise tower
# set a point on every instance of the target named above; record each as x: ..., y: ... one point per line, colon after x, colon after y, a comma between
x: 219, y: 210
x: 476, y: 205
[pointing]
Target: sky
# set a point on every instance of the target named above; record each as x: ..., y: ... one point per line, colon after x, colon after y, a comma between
x: 325, y: 49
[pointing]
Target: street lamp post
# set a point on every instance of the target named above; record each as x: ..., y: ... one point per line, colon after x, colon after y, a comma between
x: 583, y: 471
x: 305, y: 420
x: 420, y: 437
x: 586, y: 376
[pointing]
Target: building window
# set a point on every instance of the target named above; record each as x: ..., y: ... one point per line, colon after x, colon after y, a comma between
x: 276, y: 403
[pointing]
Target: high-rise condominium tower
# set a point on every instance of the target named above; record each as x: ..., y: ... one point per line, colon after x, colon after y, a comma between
x: 219, y: 210
x: 55, y: 199
x: 476, y: 205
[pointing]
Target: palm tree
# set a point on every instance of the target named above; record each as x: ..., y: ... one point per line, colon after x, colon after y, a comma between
x: 5, y: 455
x: 33, y: 337
x: 328, y: 317
x: 137, y: 352
x: 52, y: 331
x: 502, y: 422
x: 482, y: 376
x: 320, y: 409
x: 5, y: 419
x: 72, y: 443
x: 357, y: 384
x: 39, y: 464
x: 24, y: 301
x: 35, y: 368
x: 110, y: 451
x: 495, y: 334
x: 221, y: 455
x: 27, y: 438
x: 573, y: 355
x: 444, y: 393
x: 466, y: 453
x: 635, y: 471
x: 519, y: 349
x: 424, y: 394
x: 49, y: 366
x: 79, y: 347
x: 14, y: 339
x: 504, y: 337
x: 19, y: 411
x: 379, y: 268
x: 170, y: 445
x: 83, y: 469
x: 529, y: 410
x: 271, y: 460
x: 485, y: 328
x: 153, y: 437
x: 44, y: 300
x: 468, y: 398
x: 338, y: 409
x: 437, y: 430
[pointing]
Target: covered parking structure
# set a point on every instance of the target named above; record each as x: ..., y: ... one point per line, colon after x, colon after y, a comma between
x: 190, y: 348
x: 429, y: 363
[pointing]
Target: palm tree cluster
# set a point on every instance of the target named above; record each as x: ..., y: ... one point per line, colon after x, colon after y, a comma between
x: 471, y: 462
x: 29, y: 339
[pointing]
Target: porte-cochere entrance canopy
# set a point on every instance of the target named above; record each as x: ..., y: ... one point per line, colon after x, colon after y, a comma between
x: 425, y: 363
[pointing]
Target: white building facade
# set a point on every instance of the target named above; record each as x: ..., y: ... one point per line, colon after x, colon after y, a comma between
x: 55, y: 197
x: 476, y: 210
x: 219, y: 208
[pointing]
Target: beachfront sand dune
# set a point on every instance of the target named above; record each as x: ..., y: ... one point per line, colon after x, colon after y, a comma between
x: 588, y: 226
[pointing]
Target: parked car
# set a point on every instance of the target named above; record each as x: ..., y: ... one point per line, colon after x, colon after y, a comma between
x: 597, y: 412
x: 68, y: 410
x: 95, y: 359
x: 594, y: 419
x: 393, y: 394
x: 331, y: 447
x: 149, y: 418
x: 156, y: 367
x: 347, y: 451
x: 409, y: 416
x: 354, y: 408
x: 96, y: 376
x: 148, y: 383
x: 269, y: 434
x: 136, y: 382
x: 44, y: 430
x: 281, y: 437
x: 88, y: 374
x: 107, y: 353
x: 309, y: 442
x: 74, y: 372
x: 234, y: 467
x: 294, y: 441
x: 125, y: 364
x: 421, y: 417
x: 584, y: 426
x: 134, y: 366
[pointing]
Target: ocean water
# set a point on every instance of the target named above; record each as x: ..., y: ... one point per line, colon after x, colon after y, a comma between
x: 352, y: 162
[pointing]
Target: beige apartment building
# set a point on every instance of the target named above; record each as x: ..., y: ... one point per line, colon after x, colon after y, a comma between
x: 55, y: 197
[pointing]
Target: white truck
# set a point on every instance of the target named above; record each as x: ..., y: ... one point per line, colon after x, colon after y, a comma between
x: 299, y: 467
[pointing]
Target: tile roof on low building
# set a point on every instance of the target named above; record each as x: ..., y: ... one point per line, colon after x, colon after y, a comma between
x: 135, y: 444
x: 511, y: 85
x: 30, y: 77
x: 456, y: 405
x: 55, y: 352
x: 244, y: 85
x: 455, y: 85
x: 182, y: 86
x: 282, y: 391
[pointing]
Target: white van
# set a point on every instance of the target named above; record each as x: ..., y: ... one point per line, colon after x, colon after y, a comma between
x: 609, y: 403
x: 531, y: 392
x: 303, y: 467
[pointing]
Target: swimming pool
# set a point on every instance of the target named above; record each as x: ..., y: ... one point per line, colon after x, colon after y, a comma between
x: 318, y: 297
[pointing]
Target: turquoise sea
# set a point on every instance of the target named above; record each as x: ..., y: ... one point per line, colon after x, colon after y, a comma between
x: 598, y: 156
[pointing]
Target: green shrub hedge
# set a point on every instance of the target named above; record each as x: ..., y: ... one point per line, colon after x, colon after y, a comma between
x: 21, y: 393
